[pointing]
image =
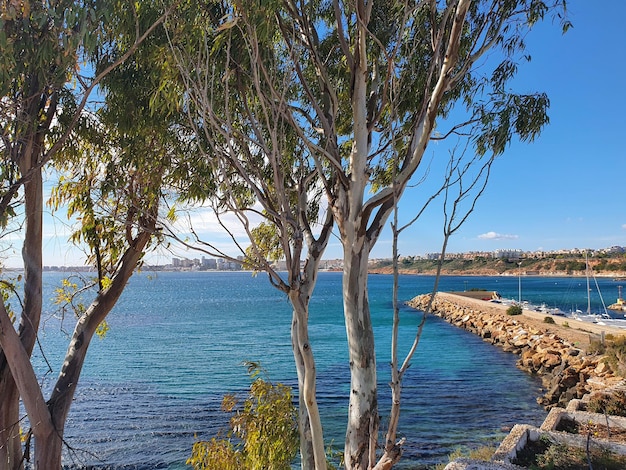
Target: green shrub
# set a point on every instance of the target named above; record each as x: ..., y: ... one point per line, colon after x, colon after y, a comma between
x: 565, y: 324
x: 616, y: 355
x: 514, y: 310
x: 609, y: 403
x: 265, y: 430
x: 549, y: 320
x: 596, y: 347
x: 483, y: 453
x: 545, y: 455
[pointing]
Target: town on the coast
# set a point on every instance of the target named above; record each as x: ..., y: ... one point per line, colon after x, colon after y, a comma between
x: 609, y: 261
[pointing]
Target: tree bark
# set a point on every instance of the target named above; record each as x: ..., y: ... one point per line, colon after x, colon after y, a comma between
x: 22, y: 371
x: 312, y: 436
x: 48, y: 420
x: 307, y: 457
x: 49, y: 450
x: 363, y: 419
x: 10, y: 444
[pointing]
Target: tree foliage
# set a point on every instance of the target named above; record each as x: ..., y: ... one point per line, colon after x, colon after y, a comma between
x: 263, y: 431
x: 54, y: 55
x: 355, y: 91
x: 253, y: 165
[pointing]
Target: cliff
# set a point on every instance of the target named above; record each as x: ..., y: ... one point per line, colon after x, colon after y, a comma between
x: 604, y: 267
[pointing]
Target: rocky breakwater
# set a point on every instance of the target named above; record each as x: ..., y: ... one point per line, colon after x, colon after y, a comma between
x: 567, y: 371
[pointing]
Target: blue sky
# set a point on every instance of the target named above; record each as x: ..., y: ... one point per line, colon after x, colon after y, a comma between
x: 565, y: 190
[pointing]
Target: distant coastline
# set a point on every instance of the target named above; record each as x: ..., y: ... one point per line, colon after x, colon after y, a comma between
x: 487, y: 273
x: 605, y: 266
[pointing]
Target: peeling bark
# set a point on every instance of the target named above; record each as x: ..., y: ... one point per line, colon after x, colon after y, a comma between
x: 363, y: 419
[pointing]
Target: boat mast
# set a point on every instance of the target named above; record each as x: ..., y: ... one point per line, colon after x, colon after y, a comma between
x: 519, y: 282
x: 588, y: 291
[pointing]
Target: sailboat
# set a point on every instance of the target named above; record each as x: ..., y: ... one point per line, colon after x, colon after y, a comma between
x: 588, y: 316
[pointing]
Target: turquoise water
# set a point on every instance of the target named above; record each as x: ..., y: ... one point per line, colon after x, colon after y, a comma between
x: 177, y: 341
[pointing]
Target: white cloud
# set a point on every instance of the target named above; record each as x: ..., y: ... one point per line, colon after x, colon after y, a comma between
x: 624, y: 226
x: 497, y: 236
x: 204, y: 222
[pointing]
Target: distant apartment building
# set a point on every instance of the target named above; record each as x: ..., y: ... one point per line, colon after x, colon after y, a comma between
x: 508, y: 254
x: 448, y: 256
x: 472, y: 255
x: 280, y: 265
x: 226, y: 265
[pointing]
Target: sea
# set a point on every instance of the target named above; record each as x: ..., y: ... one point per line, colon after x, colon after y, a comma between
x: 177, y: 342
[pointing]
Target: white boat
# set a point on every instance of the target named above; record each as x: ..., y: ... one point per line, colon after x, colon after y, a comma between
x: 599, y: 318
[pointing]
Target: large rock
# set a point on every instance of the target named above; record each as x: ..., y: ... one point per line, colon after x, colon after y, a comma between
x: 566, y: 370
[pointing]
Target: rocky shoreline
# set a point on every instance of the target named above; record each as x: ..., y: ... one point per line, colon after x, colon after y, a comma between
x: 556, y: 353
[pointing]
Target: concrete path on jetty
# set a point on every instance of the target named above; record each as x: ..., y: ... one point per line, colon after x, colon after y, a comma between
x: 578, y: 332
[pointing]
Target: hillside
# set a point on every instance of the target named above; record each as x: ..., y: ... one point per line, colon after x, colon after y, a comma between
x: 606, y: 266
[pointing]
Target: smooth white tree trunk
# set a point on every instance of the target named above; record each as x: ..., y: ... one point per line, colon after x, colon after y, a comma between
x: 363, y: 419
x: 313, y: 455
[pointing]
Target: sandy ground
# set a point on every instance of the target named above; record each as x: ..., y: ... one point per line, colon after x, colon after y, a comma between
x: 578, y: 333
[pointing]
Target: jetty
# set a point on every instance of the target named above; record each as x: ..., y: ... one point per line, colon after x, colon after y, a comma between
x: 558, y: 353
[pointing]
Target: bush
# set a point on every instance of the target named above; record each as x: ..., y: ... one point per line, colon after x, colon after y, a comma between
x: 549, y: 320
x: 596, y: 346
x: 616, y: 355
x: 265, y: 429
x: 565, y: 324
x: 483, y: 453
x: 514, y: 310
x: 609, y: 403
x: 546, y: 455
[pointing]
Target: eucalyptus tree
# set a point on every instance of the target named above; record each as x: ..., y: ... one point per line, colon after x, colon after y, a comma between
x: 116, y: 202
x: 364, y: 86
x: 44, y: 95
x: 253, y: 166
x: 40, y: 44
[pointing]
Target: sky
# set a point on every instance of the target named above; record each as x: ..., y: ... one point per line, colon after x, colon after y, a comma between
x: 565, y: 190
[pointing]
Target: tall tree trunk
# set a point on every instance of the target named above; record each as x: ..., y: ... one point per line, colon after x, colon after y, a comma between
x: 307, y: 458
x: 33, y: 264
x: 363, y: 419
x: 10, y: 445
x: 18, y: 360
x: 65, y: 387
x: 48, y: 451
x: 311, y: 434
x: 48, y: 420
